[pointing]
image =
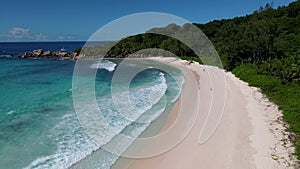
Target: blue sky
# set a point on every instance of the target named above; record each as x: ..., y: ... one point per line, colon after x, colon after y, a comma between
x: 69, y: 20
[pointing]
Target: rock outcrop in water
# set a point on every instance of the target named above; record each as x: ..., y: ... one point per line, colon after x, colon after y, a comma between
x: 40, y: 53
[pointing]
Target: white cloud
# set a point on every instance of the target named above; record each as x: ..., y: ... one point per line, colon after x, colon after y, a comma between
x: 22, y: 34
x: 19, y: 33
x: 65, y: 37
x: 40, y: 36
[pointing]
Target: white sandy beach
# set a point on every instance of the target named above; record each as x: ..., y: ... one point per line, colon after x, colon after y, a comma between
x: 250, y: 133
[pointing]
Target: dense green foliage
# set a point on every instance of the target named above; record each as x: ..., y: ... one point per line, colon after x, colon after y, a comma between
x: 139, y: 42
x: 285, y: 95
x: 286, y: 69
x: 135, y: 43
x: 268, y: 36
x: 96, y: 50
x: 263, y: 35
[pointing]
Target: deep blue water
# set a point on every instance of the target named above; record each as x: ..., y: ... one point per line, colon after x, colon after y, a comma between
x: 16, y: 48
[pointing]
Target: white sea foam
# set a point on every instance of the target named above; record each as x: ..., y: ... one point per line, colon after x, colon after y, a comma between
x: 73, y: 144
x: 180, y: 83
x: 104, y: 159
x: 6, y: 56
x: 10, y: 112
x: 104, y: 64
x: 141, y: 99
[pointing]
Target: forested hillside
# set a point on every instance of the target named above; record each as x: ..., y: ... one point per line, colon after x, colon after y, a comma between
x: 267, y: 36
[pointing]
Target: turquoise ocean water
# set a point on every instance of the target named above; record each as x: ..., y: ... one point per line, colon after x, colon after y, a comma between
x: 38, y: 123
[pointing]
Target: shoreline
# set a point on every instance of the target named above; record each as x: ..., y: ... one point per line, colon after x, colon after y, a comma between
x: 150, y: 130
x: 248, y: 136
x: 173, y: 114
x: 171, y: 118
